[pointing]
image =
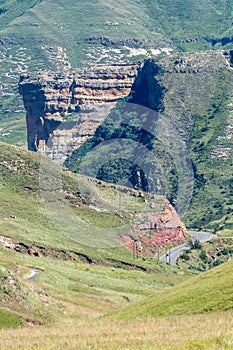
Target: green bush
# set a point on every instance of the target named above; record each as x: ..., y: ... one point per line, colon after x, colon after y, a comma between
x: 203, y: 256
x: 195, y: 244
x: 185, y: 256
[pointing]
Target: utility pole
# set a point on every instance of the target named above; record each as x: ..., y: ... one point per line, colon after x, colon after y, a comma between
x: 120, y: 204
x: 158, y: 252
x: 135, y: 238
x: 135, y: 248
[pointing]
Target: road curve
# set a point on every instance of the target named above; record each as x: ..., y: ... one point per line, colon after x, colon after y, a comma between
x: 34, y: 273
x: 172, y: 254
x: 202, y: 236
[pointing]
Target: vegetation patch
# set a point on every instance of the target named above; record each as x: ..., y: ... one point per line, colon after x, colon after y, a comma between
x: 9, y: 319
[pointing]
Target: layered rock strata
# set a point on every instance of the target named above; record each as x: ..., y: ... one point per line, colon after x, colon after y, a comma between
x: 64, y: 110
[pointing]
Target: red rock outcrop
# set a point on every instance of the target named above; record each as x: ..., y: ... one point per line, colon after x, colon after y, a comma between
x: 155, y: 230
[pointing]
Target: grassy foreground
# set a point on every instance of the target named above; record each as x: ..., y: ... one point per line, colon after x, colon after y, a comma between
x: 211, y: 332
x: 67, y: 290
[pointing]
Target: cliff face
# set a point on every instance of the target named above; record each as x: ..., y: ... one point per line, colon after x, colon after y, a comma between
x: 192, y: 100
x: 64, y: 110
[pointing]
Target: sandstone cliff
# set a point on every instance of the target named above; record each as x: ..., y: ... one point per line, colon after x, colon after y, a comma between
x: 190, y: 94
x: 64, y: 109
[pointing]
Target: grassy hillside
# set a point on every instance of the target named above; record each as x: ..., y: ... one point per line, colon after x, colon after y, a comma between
x: 70, y: 290
x: 11, y: 10
x: 9, y: 319
x: 29, y: 218
x: 80, y: 278
x: 55, y: 21
x: 42, y: 34
x: 68, y: 298
x: 41, y: 202
x: 78, y: 295
x: 211, y: 291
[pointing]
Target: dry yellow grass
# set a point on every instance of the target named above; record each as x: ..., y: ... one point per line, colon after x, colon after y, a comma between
x: 208, y: 331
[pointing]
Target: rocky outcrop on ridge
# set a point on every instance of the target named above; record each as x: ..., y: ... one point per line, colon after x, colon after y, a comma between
x: 76, y: 101
x: 69, y: 106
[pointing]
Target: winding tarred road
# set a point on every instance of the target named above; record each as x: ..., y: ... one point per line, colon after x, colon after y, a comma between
x: 172, y: 254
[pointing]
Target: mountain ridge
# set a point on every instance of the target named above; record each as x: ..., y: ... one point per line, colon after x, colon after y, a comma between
x: 190, y: 93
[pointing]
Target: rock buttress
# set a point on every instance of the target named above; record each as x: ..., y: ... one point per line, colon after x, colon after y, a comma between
x: 63, y: 110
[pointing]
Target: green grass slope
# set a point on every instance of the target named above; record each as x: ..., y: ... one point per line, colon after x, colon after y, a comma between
x: 144, y: 19
x: 24, y: 215
x: 41, y: 202
x: 37, y: 213
x: 77, y: 280
x: 71, y: 290
x: 9, y: 319
x: 211, y: 291
x: 32, y: 31
x: 12, y: 9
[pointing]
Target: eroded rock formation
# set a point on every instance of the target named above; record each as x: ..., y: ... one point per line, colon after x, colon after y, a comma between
x: 77, y: 102
x: 156, y: 229
x: 190, y: 94
x: 64, y: 109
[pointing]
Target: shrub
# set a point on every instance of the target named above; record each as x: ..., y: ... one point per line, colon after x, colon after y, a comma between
x: 185, y: 256
x: 195, y: 244
x: 203, y: 256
